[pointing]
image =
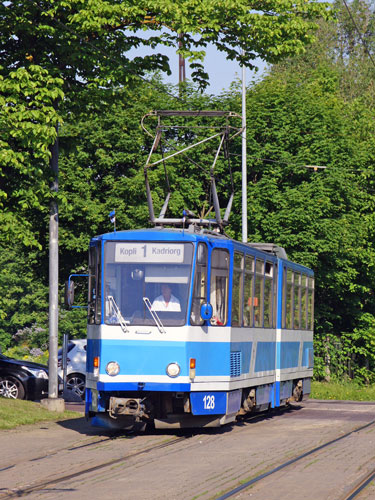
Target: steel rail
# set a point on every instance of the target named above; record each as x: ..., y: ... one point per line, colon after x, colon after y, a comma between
x: 19, y: 492
x: 360, y: 486
x: 293, y: 461
x: 56, y: 452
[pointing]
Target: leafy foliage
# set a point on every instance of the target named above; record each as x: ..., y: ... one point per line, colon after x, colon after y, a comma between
x: 67, y: 63
x: 301, y: 115
x: 87, y: 41
x: 28, y: 121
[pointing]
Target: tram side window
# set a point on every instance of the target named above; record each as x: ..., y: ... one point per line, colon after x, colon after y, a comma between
x: 200, y: 285
x: 248, y: 310
x: 304, y: 301
x: 311, y: 304
x: 94, y: 299
x: 219, y: 286
x: 237, y: 289
x: 268, y: 292
x: 288, y: 298
x: 297, y: 300
x: 259, y: 290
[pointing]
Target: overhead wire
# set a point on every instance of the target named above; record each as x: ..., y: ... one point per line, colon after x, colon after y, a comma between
x: 349, y: 170
x: 162, y: 88
x: 269, y: 160
x: 359, y: 33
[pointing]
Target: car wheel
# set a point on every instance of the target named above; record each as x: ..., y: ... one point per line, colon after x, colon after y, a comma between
x: 11, y: 387
x: 76, y: 383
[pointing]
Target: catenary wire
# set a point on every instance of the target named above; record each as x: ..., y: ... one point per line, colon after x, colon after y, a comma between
x: 162, y: 88
x: 359, y: 33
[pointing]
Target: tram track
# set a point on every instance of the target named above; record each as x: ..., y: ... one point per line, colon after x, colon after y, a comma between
x: 60, y: 450
x: 359, y: 486
x: 26, y: 490
x: 354, y: 492
x: 107, y: 459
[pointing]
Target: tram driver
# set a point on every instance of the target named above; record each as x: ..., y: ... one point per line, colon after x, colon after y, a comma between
x: 166, y: 301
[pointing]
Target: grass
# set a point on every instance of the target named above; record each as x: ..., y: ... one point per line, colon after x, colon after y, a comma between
x: 15, y: 412
x: 348, y: 391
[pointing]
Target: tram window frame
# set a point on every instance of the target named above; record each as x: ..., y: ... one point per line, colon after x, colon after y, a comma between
x: 297, y: 301
x: 259, y: 292
x: 304, y: 301
x: 288, y: 296
x: 268, y: 294
x: 199, y: 283
x: 237, y: 288
x: 94, y: 294
x: 144, y: 280
x: 248, y: 302
x: 311, y: 299
x: 217, y: 271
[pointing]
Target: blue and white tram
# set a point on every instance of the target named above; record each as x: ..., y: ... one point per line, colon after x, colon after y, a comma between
x: 240, y: 338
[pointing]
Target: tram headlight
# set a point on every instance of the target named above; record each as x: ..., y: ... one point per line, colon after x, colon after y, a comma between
x: 173, y: 370
x: 112, y: 368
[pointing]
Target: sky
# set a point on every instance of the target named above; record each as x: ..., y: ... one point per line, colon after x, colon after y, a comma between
x: 222, y: 72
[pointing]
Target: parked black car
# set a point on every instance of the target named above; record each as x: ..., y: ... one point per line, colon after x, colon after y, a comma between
x: 21, y: 379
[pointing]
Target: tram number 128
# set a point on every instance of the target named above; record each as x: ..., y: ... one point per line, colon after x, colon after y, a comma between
x: 209, y: 402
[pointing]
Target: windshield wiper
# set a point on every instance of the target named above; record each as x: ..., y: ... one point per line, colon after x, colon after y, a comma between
x: 154, y: 315
x: 118, y: 314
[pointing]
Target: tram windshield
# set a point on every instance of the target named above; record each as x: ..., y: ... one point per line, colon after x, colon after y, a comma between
x: 142, y: 277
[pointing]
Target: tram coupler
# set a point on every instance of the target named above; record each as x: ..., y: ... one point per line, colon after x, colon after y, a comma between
x: 126, y: 406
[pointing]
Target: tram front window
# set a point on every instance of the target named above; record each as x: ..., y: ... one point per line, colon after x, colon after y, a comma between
x: 147, y: 272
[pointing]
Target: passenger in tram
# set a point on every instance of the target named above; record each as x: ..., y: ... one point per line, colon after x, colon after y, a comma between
x: 166, y: 301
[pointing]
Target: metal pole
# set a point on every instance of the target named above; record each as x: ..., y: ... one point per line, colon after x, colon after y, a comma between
x: 53, y: 279
x: 181, y: 64
x: 65, y: 358
x: 53, y: 402
x: 244, y: 171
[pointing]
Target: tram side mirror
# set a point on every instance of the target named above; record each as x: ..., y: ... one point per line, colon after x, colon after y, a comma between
x: 69, y: 293
x: 206, y: 311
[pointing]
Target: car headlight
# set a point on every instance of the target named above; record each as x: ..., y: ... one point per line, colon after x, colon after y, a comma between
x: 173, y: 370
x: 112, y: 368
x: 37, y: 372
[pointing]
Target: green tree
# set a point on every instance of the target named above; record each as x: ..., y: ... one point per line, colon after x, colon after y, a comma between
x: 56, y: 54
x: 87, y: 41
x: 300, y: 114
x: 28, y: 121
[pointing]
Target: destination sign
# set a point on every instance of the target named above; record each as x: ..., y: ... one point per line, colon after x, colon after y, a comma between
x: 149, y: 252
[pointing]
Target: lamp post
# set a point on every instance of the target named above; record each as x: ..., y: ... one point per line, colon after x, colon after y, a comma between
x: 53, y: 403
x: 244, y: 169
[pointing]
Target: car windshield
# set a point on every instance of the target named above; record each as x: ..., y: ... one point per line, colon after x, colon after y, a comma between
x: 70, y: 347
x: 141, y: 273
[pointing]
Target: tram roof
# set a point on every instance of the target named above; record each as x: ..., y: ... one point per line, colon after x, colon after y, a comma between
x: 187, y: 235
x: 270, y: 250
x: 163, y: 234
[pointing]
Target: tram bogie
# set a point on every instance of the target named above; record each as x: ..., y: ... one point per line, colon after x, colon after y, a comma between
x: 191, y: 329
